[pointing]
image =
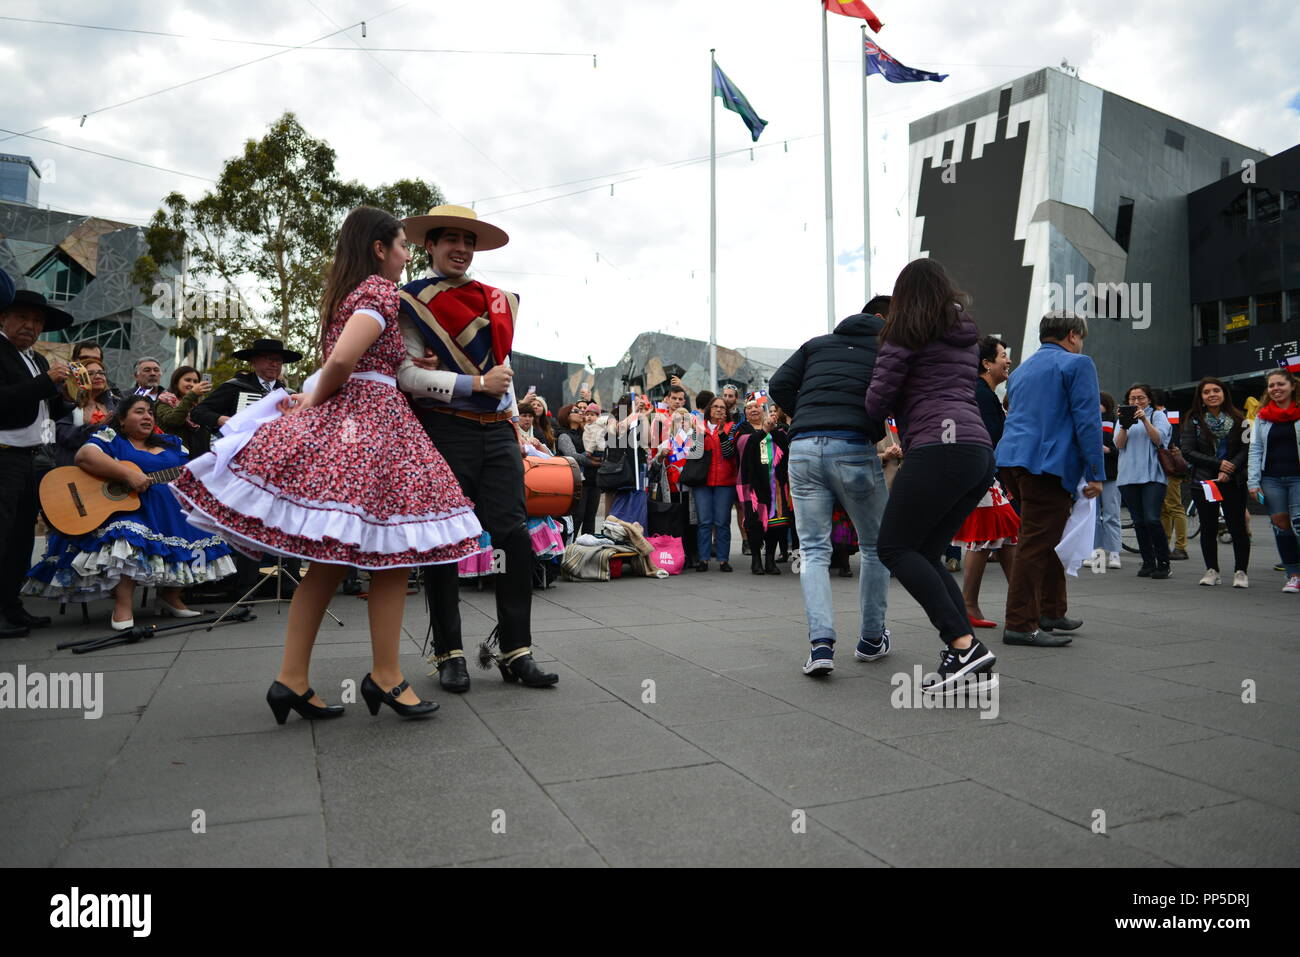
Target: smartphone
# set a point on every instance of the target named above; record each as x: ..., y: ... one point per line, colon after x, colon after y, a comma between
x: 1126, y: 415
x: 207, y: 377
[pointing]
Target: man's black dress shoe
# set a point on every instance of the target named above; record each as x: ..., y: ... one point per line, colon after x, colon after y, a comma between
x: 9, y: 631
x: 453, y: 675
x: 1059, y: 624
x: 1035, y: 638
x: 524, y: 670
x: 702, y: 567
x: 21, y: 618
x: 724, y: 566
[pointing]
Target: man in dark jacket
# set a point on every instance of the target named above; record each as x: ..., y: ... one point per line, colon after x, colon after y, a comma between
x: 31, y: 400
x: 833, y: 458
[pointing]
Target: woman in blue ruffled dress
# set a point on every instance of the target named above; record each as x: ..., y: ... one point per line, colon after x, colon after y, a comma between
x: 152, y: 545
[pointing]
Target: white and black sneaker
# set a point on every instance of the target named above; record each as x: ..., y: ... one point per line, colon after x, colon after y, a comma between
x: 821, y: 660
x: 872, y: 650
x: 960, y: 668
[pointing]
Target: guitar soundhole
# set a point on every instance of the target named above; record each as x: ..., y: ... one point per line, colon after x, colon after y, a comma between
x: 116, y: 491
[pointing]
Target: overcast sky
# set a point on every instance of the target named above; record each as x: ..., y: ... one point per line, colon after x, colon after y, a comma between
x: 504, y: 131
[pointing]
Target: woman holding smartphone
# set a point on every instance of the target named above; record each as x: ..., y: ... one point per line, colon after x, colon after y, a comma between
x: 186, y: 390
x: 1141, y: 432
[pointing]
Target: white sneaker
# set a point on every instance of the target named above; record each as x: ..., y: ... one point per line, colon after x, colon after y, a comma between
x: 1292, y: 585
x: 1211, y: 577
x: 1114, y: 560
x: 1239, y: 580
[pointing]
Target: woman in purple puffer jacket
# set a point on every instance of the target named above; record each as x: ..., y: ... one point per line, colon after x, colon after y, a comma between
x: 925, y: 378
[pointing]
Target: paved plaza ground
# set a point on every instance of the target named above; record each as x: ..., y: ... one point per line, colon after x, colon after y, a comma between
x: 1131, y: 747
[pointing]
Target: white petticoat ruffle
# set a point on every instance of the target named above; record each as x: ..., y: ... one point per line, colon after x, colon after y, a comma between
x: 94, y: 575
x: 339, y: 521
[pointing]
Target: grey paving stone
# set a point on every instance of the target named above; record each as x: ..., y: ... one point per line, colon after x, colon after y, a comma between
x: 687, y: 697
x: 1097, y: 724
x: 34, y: 825
x: 1057, y: 668
x: 59, y: 751
x: 1267, y: 721
x: 1068, y: 780
x: 706, y: 816
x: 596, y: 740
x: 295, y: 841
x: 1235, y: 764
x: 156, y: 785
x: 908, y: 830
x: 807, y: 760
x: 122, y: 690
x: 1242, y: 834
x: 425, y: 813
x: 490, y: 693
x: 609, y: 657
x: 575, y: 855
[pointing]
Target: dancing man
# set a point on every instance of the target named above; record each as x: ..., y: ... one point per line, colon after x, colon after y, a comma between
x: 458, y: 332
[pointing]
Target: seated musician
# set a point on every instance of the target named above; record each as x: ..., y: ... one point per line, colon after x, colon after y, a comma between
x: 152, y: 545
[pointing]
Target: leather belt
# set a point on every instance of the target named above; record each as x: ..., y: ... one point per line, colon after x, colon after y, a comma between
x: 25, y: 449
x: 482, y: 418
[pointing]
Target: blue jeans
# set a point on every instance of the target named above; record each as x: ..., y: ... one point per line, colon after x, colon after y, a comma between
x: 1145, y: 501
x: 823, y: 471
x: 713, y: 507
x: 1282, y: 496
x: 1108, y: 536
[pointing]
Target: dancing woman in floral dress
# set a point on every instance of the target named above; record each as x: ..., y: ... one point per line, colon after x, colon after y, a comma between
x: 345, y: 477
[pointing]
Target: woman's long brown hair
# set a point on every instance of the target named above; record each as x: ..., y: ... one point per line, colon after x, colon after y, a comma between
x: 354, y: 259
x: 1198, y: 404
x: 923, y: 306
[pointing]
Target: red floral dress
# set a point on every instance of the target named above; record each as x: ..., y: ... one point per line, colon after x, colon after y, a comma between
x: 351, y: 481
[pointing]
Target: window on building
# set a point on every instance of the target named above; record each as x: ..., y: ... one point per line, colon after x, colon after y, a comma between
x: 1268, y: 308
x: 1235, y: 213
x: 1293, y: 305
x: 1236, y: 319
x: 1207, y: 324
x: 61, y: 276
x: 1268, y: 205
x: 1176, y: 140
x: 112, y: 333
x: 1124, y: 222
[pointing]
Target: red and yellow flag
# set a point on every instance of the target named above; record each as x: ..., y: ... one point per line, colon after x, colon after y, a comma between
x: 854, y: 8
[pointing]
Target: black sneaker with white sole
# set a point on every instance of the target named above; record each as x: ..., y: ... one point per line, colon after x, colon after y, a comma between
x: 958, y: 668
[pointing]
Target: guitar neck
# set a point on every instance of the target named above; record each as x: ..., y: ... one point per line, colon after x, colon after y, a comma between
x: 165, y: 476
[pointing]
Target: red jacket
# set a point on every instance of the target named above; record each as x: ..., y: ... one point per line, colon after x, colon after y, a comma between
x: 722, y: 466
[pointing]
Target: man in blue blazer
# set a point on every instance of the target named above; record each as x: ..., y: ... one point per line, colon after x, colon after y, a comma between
x: 1052, y: 440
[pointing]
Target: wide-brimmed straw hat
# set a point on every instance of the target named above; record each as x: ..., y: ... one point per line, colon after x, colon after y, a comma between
x: 486, y: 235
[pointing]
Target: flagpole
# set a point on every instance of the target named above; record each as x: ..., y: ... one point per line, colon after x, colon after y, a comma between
x: 713, y: 227
x: 866, y: 175
x: 826, y: 153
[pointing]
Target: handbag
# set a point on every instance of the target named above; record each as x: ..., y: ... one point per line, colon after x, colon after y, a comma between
x: 617, y: 471
x: 1172, y: 462
x: 696, y: 471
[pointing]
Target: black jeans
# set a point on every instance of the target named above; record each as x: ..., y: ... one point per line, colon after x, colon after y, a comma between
x: 18, y: 479
x: 1144, y: 502
x: 1234, y: 514
x: 486, y: 462
x: 590, y: 503
x: 936, y: 488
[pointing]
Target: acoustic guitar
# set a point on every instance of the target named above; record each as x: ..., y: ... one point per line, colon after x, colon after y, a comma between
x: 76, y: 502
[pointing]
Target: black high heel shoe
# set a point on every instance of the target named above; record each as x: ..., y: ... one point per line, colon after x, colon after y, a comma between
x: 281, y: 698
x: 375, y: 696
x: 524, y: 669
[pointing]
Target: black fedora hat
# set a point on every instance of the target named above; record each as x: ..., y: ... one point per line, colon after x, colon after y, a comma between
x: 55, y: 319
x: 268, y: 345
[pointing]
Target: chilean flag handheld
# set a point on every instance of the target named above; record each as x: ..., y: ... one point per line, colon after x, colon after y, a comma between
x: 1108, y: 427
x: 677, y: 448
x: 1211, y: 490
x: 1172, y: 416
x: 893, y: 427
x: 854, y: 8
x: 1290, y: 363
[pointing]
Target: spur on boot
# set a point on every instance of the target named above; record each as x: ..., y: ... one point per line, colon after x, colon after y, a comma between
x: 519, y: 665
x: 375, y: 696
x: 282, y: 698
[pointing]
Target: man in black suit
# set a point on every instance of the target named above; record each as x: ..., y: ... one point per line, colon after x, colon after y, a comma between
x: 30, y: 403
x: 266, y: 358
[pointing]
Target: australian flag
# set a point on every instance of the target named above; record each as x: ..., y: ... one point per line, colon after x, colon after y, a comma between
x: 878, y: 61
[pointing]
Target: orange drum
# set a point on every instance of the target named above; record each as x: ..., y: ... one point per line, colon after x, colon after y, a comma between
x: 552, y: 486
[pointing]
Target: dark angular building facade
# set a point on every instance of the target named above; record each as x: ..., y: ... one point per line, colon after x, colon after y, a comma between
x: 1047, y: 191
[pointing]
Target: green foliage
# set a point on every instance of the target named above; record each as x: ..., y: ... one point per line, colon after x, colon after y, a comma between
x: 254, y: 250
